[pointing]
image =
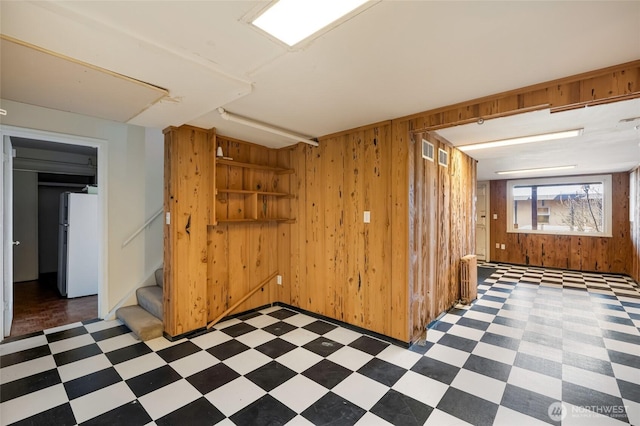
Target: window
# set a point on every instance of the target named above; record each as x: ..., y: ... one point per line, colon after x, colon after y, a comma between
x: 578, y: 205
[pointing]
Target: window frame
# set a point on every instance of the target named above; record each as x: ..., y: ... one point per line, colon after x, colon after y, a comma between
x: 564, y: 180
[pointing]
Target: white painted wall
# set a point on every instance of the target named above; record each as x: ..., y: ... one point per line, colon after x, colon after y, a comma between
x: 154, y: 173
x: 135, y: 189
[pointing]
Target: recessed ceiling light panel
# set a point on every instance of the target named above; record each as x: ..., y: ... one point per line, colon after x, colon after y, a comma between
x: 292, y: 21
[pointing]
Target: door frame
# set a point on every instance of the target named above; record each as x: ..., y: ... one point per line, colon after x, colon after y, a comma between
x: 6, y: 235
x: 487, y: 222
x: 101, y: 146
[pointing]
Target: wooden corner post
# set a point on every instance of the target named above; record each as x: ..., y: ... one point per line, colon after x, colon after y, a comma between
x: 188, y: 198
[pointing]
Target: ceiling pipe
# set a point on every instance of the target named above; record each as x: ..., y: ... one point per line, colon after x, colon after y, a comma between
x: 260, y: 126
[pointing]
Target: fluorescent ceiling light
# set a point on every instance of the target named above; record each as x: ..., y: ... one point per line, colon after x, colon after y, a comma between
x: 522, y: 140
x: 265, y: 127
x: 541, y: 169
x: 291, y: 21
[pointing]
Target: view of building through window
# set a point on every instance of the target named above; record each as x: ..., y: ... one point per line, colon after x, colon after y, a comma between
x: 562, y: 207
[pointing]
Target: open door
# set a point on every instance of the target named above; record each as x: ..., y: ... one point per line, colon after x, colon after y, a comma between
x: 7, y: 235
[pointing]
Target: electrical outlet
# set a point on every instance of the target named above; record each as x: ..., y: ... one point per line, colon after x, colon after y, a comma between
x: 497, y: 245
x: 279, y: 279
x: 367, y: 217
x: 495, y: 216
x: 502, y: 246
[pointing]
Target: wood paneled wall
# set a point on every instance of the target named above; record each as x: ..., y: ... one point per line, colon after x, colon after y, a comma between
x: 442, y: 228
x: 343, y: 268
x: 634, y: 272
x: 332, y: 262
x: 397, y: 273
x: 580, y: 253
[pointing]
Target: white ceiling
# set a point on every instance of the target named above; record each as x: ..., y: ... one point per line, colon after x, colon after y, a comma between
x: 606, y: 144
x: 393, y: 59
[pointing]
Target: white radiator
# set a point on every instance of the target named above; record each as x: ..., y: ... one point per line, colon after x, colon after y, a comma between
x: 468, y: 278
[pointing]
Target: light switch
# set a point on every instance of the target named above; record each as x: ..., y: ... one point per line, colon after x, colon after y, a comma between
x: 497, y: 245
x: 367, y: 217
x: 502, y: 246
x: 495, y: 216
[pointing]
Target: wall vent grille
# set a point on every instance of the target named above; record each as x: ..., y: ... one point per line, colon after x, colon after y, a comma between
x: 427, y: 150
x: 443, y: 157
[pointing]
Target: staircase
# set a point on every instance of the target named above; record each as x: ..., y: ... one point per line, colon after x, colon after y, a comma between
x: 145, y: 318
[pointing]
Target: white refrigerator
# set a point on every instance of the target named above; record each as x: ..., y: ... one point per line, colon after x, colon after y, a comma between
x: 78, y: 245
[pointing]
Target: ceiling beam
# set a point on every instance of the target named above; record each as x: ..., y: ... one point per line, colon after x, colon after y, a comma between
x: 611, y: 84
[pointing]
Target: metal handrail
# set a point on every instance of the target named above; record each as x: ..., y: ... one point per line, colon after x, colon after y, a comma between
x: 142, y: 228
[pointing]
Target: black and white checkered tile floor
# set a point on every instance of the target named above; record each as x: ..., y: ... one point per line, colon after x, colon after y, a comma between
x: 523, y: 353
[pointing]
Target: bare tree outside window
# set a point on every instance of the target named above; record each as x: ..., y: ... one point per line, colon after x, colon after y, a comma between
x: 583, y: 209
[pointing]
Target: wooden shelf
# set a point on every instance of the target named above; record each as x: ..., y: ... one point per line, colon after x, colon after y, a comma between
x: 246, y: 205
x: 247, y: 191
x: 277, y: 170
x: 273, y: 219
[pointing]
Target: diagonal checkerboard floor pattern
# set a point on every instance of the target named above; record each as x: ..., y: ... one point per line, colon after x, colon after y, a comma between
x: 531, y: 350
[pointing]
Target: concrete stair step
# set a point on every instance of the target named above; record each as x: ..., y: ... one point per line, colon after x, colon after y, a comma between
x: 150, y: 299
x: 142, y: 323
x: 160, y: 277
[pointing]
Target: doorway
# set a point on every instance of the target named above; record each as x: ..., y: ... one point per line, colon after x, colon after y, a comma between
x: 43, y: 166
x: 482, y: 221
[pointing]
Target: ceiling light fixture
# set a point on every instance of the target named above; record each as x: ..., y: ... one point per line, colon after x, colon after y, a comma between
x: 541, y: 169
x: 291, y: 21
x: 522, y: 140
x: 265, y: 127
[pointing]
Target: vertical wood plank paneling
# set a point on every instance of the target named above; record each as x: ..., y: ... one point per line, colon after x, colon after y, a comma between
x: 285, y: 238
x: 416, y: 203
x: 377, y: 236
x: 298, y: 272
x: 444, y: 232
x: 313, y: 296
x: 443, y: 229
x: 457, y: 247
x: 189, y: 199
x: 429, y: 224
x: 349, y: 263
x: 218, y: 271
x: 583, y: 253
x: 354, y: 232
x: 168, y: 237
x: 634, y: 265
x: 333, y: 211
x: 401, y: 175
